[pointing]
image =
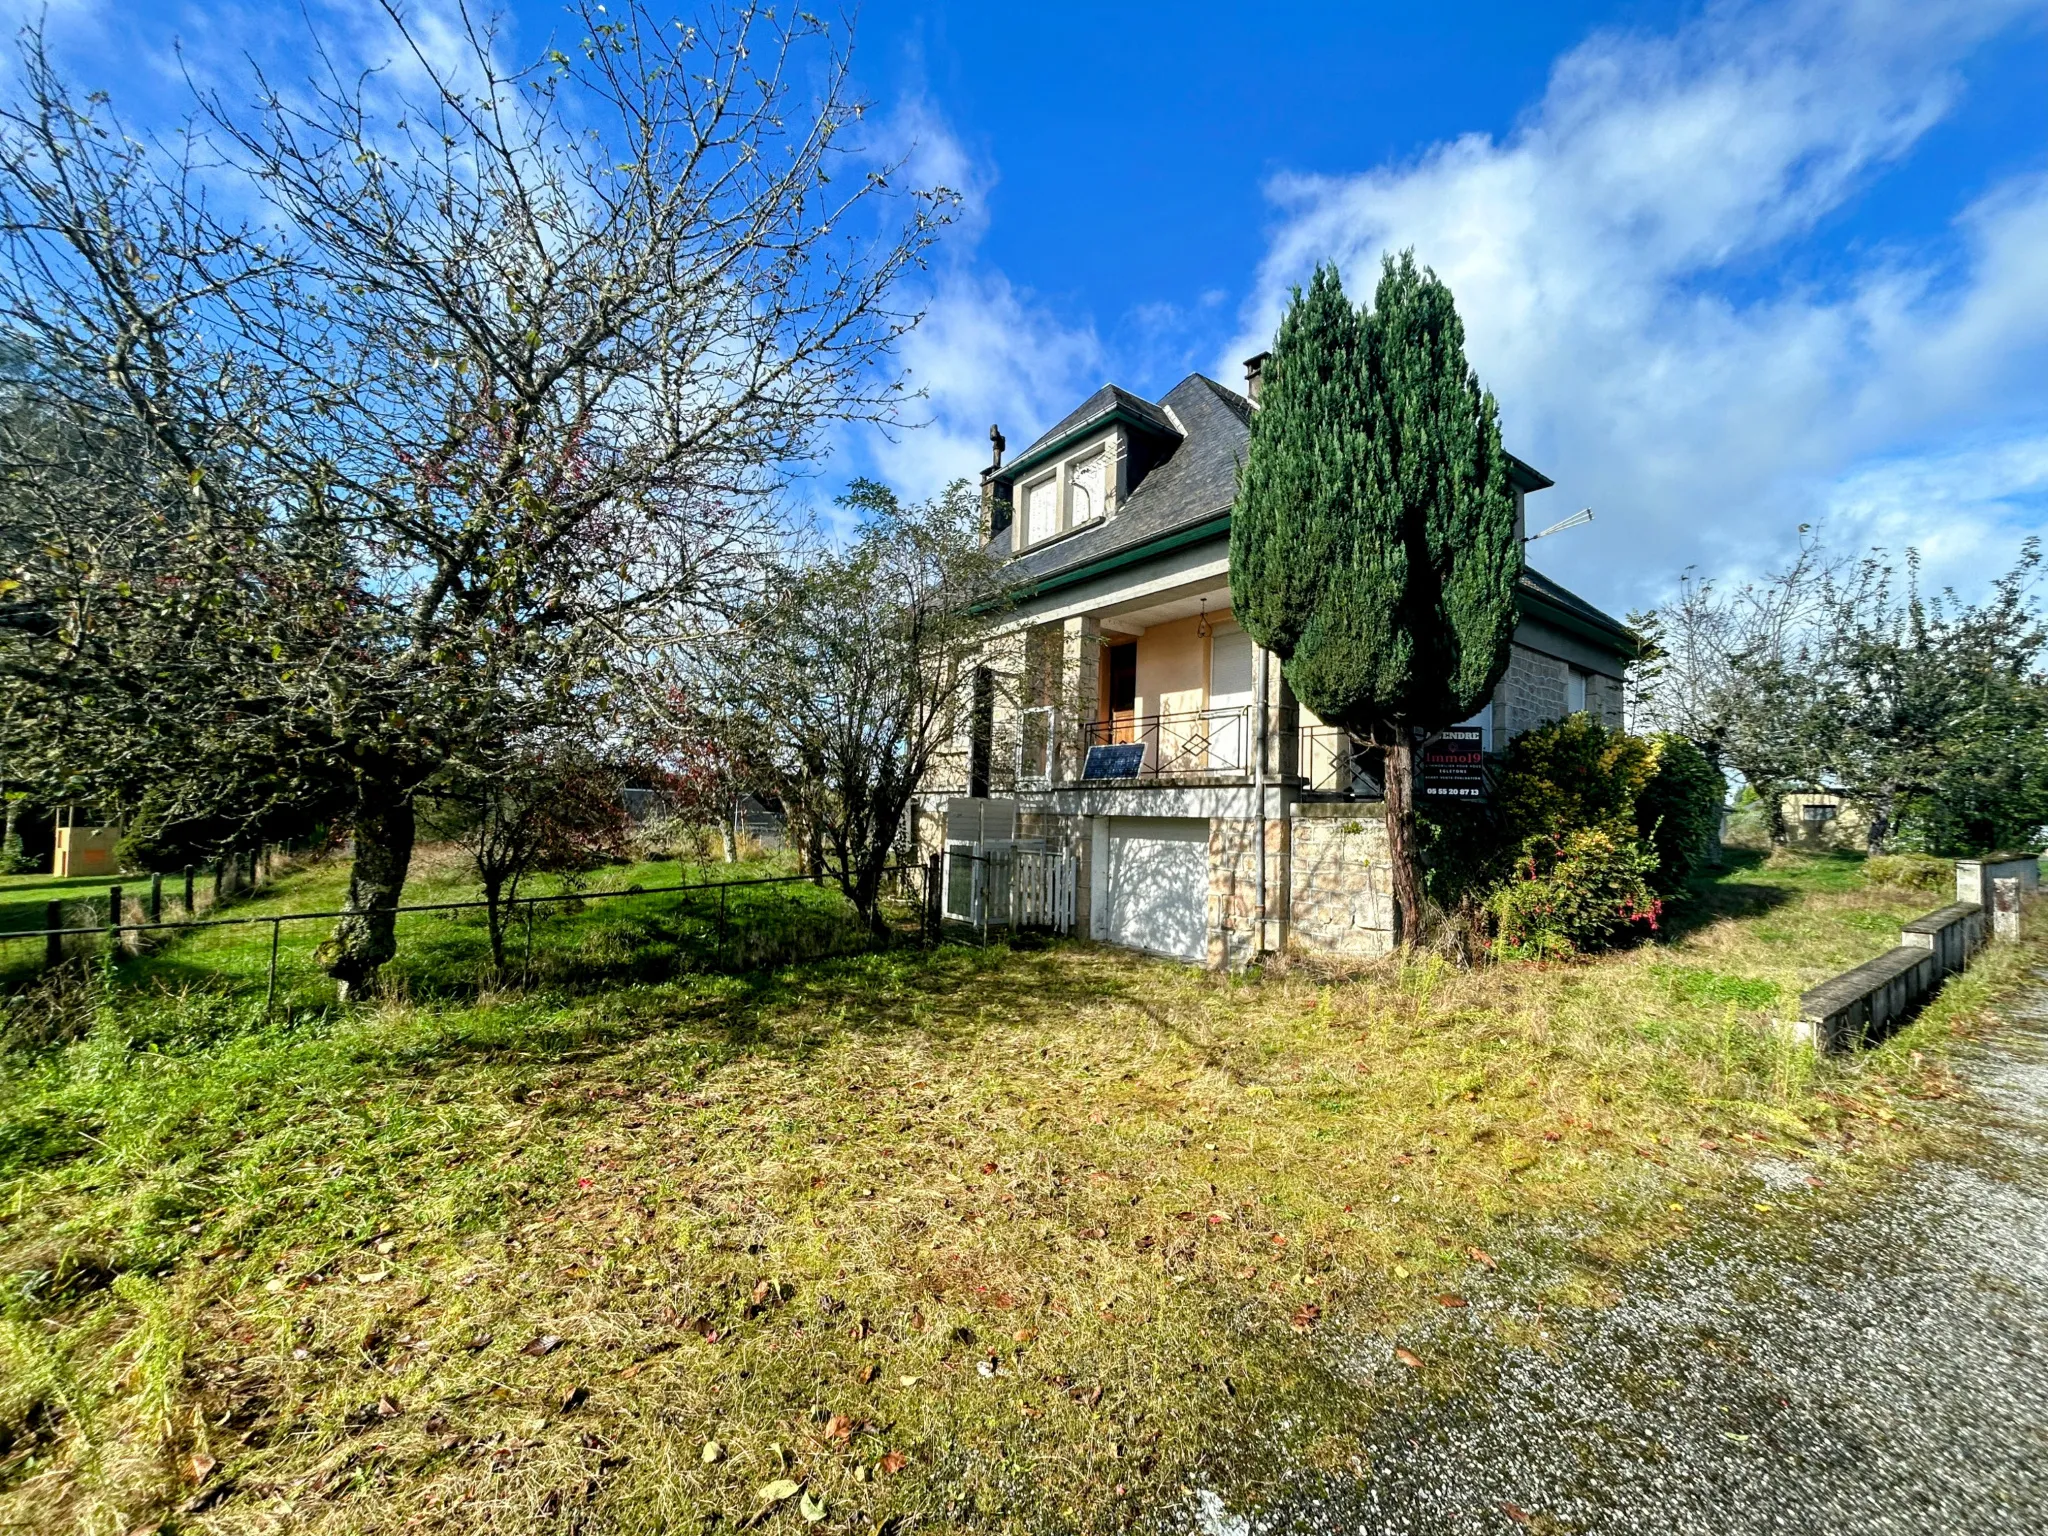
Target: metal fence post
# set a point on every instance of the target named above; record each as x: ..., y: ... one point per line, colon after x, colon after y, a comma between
x: 270, y: 992
x: 114, y: 915
x: 53, y: 942
x: 156, y: 898
x: 188, y: 892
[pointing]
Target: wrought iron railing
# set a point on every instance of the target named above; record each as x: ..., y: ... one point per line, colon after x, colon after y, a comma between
x: 1182, y: 742
x: 1332, y: 761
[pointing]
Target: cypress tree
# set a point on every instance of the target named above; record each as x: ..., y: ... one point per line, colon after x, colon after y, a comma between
x: 1305, y: 450
x: 1373, y: 544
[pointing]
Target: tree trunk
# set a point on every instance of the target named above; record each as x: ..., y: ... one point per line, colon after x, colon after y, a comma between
x: 494, y: 920
x: 365, y: 939
x: 1774, y: 815
x: 731, y: 840
x: 11, y: 858
x: 1399, y: 770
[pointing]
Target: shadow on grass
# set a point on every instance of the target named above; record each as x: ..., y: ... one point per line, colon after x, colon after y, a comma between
x: 22, y: 903
x: 949, y: 995
x: 1733, y: 893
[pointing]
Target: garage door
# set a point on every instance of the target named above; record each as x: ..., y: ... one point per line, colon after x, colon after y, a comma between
x: 1158, y: 886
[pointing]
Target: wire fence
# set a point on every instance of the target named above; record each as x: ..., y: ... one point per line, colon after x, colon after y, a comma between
x: 709, y: 925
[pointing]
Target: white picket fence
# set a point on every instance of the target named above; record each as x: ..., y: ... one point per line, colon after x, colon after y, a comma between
x: 1011, y: 885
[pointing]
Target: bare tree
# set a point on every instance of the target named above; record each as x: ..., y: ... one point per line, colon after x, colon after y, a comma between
x: 1740, y: 669
x: 517, y: 355
x: 526, y: 810
x: 851, y: 674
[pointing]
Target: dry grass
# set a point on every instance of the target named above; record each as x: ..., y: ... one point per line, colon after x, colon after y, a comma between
x: 989, y: 1238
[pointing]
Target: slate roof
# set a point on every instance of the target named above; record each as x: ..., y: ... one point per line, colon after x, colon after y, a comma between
x: 1097, y: 405
x: 1197, y: 482
x: 1539, y: 585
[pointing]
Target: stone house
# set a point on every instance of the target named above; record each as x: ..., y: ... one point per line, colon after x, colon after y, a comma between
x: 1132, y: 723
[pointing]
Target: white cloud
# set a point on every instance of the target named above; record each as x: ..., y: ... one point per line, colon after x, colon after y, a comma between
x: 1605, y: 257
x: 987, y: 352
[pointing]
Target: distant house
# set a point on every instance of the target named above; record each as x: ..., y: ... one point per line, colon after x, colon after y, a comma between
x: 1823, y: 819
x: 83, y: 848
x: 1115, y: 523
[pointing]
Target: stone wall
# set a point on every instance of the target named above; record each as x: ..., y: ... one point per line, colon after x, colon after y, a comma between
x: 1534, y: 691
x: 1603, y: 700
x: 1234, y: 891
x: 1341, y: 900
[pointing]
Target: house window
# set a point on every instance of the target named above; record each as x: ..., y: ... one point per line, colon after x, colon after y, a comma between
x: 1575, y: 690
x: 1122, y: 687
x: 1041, y: 510
x: 1815, y: 815
x: 1084, y: 491
x: 981, y: 733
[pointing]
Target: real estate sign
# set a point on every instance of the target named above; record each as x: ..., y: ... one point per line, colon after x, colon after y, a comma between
x: 1454, y: 765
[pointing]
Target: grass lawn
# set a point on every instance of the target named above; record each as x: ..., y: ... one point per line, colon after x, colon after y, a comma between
x: 997, y: 1238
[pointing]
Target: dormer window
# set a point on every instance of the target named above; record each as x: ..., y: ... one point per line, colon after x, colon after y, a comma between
x: 1041, y: 510
x: 1084, y: 490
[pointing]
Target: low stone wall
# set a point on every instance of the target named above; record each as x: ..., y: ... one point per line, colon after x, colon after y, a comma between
x: 1871, y: 1001
x: 1953, y: 933
x: 1341, y: 897
x: 1975, y: 877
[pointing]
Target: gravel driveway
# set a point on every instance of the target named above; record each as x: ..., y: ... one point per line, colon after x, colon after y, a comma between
x: 1884, y: 1373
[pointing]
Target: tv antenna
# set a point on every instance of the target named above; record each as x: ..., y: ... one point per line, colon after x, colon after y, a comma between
x: 1578, y: 519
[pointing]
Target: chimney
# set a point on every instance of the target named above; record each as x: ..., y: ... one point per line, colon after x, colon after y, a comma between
x: 995, y: 505
x: 1253, y: 367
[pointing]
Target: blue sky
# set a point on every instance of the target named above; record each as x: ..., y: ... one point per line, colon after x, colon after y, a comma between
x: 1729, y: 268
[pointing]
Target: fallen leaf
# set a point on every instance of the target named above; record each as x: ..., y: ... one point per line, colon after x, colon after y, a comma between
x: 200, y: 1466
x: 1088, y: 1397
x: 839, y: 1427
x: 1448, y: 1300
x: 1409, y: 1358
x: 546, y: 1344
x: 988, y: 1167
x: 911, y: 1381
x: 386, y: 1409
x: 1516, y: 1513
x: 894, y: 1462
x: 1025, y: 1335
x: 1482, y: 1258
x: 813, y: 1510
x: 1279, y: 1240
x: 1305, y: 1317
x: 867, y: 1374
x: 783, y: 1488
x: 575, y: 1398
x: 712, y: 1454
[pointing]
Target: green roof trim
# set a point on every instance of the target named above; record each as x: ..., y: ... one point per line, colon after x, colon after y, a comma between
x: 1615, y: 637
x: 1194, y: 534
x: 1052, y: 450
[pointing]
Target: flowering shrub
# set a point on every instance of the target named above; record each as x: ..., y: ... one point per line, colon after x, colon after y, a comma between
x: 1573, y: 893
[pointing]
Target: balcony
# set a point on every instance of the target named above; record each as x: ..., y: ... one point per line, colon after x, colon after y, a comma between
x: 1191, y: 742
